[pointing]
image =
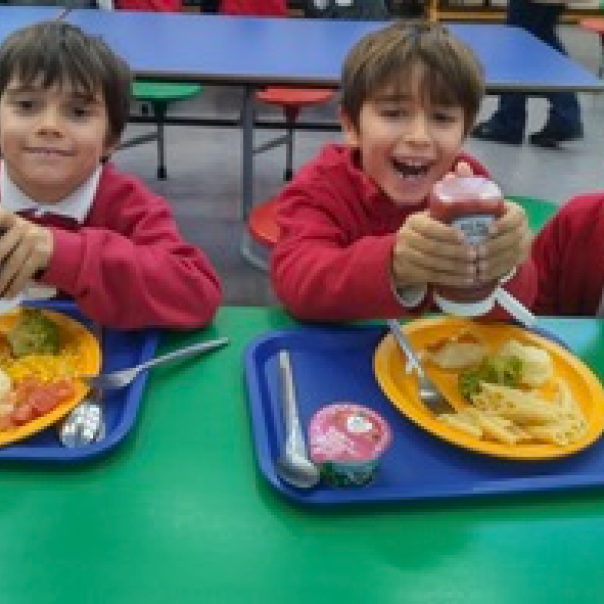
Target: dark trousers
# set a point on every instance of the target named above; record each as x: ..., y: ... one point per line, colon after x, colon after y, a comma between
x: 541, y: 20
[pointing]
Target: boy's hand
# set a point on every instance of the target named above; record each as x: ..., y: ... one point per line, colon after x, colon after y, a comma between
x: 25, y: 249
x: 430, y: 252
x: 507, y: 246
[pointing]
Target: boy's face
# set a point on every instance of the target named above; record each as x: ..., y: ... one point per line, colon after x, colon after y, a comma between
x: 52, y: 139
x: 405, y: 143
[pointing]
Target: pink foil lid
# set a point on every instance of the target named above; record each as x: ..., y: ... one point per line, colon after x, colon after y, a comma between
x: 347, y: 432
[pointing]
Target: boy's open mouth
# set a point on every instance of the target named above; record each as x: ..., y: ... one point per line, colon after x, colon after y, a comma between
x: 411, y: 169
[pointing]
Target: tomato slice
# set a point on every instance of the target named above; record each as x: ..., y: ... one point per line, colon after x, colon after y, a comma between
x: 47, y: 396
x: 6, y: 422
x: 23, y: 413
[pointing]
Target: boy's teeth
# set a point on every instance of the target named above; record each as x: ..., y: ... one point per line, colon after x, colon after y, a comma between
x: 411, y: 169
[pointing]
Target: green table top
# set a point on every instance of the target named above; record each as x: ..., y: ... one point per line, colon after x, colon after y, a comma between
x: 179, y: 513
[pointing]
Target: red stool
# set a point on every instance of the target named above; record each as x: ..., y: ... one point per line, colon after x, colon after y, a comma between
x: 596, y: 24
x: 262, y: 230
x: 262, y: 234
x: 292, y: 100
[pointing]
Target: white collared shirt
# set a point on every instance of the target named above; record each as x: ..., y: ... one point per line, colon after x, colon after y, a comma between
x: 75, y: 206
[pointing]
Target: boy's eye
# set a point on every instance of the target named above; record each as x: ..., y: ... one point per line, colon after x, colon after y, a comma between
x: 79, y: 111
x: 25, y: 104
x: 393, y: 111
x: 445, y: 116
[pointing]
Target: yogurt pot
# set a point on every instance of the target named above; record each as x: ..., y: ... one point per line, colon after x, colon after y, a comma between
x: 346, y: 442
x: 470, y: 203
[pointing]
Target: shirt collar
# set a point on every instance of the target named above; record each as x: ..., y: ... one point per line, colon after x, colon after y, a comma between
x: 75, y: 206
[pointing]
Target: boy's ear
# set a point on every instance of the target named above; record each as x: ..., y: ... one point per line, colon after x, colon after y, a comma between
x: 351, y: 136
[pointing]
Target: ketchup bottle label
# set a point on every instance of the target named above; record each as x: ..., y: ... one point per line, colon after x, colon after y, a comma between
x: 475, y: 227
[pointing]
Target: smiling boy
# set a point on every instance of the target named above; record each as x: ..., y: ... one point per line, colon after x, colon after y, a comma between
x: 95, y: 234
x: 357, y: 240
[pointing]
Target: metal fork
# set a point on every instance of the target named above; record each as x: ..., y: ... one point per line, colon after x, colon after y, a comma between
x: 428, y: 392
x: 123, y: 377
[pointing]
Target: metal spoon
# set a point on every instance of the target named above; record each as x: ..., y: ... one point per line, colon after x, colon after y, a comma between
x: 84, y: 425
x: 293, y: 465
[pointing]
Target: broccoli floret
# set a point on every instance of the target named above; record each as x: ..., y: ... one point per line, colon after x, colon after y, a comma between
x: 495, y: 370
x: 34, y: 333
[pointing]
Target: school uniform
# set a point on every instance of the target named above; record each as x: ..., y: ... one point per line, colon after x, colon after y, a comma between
x: 118, y: 253
x: 337, y: 234
x: 569, y: 257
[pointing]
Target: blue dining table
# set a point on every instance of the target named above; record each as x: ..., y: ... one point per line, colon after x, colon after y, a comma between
x: 253, y: 51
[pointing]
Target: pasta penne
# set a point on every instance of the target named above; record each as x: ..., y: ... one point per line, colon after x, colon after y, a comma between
x: 516, y: 405
x: 462, y: 422
x: 498, y: 428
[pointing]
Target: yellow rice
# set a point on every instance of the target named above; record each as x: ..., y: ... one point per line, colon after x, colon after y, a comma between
x: 70, y: 362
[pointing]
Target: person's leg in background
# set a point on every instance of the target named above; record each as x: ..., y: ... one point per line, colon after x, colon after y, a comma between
x: 507, y: 124
x: 210, y: 6
x: 564, y: 119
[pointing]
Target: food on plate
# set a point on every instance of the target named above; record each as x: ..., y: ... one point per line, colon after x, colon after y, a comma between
x: 511, y: 416
x: 464, y: 421
x: 346, y: 442
x: 494, y: 370
x: 34, y: 333
x: 514, y: 365
x: 484, y: 425
x: 32, y: 398
x: 465, y: 350
x: 536, y: 365
x: 42, y: 353
x: 505, y: 399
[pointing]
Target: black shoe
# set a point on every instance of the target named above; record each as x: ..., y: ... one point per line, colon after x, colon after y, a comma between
x: 549, y: 137
x: 496, y: 134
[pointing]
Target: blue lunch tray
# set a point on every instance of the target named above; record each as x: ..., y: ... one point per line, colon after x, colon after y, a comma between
x: 336, y: 365
x: 120, y: 349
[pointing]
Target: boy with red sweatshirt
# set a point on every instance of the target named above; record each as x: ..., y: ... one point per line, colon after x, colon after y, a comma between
x: 357, y: 240
x: 569, y: 256
x: 94, y: 234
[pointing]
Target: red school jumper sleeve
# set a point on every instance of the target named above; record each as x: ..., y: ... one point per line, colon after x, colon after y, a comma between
x: 128, y: 266
x: 569, y: 257
x: 332, y: 260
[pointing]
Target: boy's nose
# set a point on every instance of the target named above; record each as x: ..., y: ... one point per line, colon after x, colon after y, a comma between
x: 418, y: 130
x: 50, y: 121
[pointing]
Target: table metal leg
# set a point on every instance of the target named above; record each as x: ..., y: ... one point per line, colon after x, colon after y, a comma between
x: 248, y: 116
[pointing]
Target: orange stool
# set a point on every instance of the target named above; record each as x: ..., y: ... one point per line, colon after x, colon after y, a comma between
x: 262, y: 230
x: 262, y: 234
x: 596, y: 24
x: 292, y: 100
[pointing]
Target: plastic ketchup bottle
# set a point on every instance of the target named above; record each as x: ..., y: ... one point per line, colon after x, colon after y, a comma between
x: 470, y: 203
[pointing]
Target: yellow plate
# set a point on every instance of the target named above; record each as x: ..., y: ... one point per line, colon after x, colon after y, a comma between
x: 89, y: 363
x: 401, y: 388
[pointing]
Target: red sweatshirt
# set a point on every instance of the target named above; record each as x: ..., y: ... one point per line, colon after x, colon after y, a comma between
x: 569, y: 256
x: 260, y: 8
x: 332, y: 260
x: 161, y: 6
x: 127, y: 266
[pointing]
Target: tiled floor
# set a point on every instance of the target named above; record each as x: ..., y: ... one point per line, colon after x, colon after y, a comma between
x: 204, y: 169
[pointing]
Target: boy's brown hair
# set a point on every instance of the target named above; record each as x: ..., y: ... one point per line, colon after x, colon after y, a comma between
x: 383, y: 58
x: 56, y: 53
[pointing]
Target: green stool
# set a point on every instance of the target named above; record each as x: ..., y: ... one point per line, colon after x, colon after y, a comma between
x: 538, y: 211
x: 156, y: 96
